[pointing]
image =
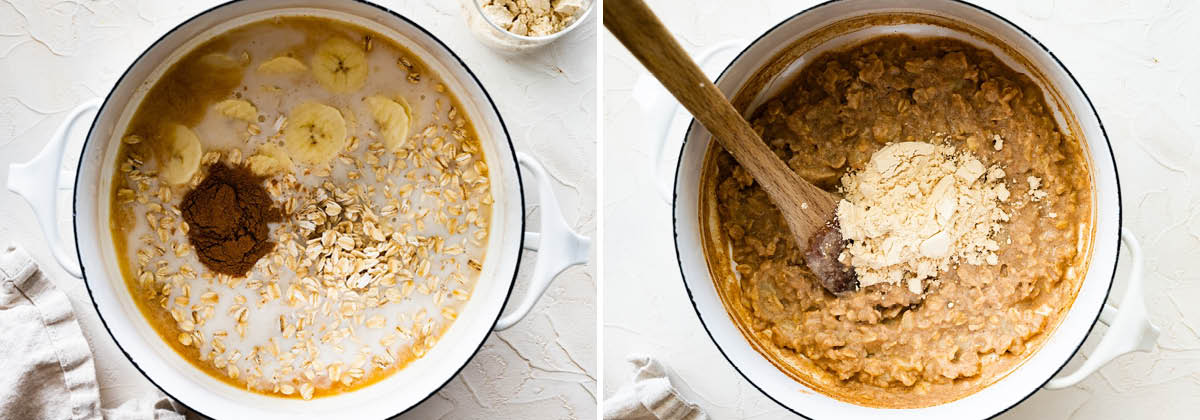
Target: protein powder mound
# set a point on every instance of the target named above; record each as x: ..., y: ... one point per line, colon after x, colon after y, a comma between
x: 532, y: 17
x: 227, y: 216
x: 916, y: 209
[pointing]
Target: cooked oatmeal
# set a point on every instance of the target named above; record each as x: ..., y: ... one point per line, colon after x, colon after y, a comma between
x: 383, y: 194
x: 886, y: 345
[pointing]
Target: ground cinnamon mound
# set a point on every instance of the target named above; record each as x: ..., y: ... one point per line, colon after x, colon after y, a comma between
x: 227, y: 216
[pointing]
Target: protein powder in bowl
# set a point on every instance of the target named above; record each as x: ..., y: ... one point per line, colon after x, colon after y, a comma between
x: 517, y: 26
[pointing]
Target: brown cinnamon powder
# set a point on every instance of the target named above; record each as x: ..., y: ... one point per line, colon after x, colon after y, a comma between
x: 227, y: 216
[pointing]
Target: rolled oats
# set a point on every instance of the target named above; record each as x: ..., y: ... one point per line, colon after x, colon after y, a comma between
x: 334, y: 302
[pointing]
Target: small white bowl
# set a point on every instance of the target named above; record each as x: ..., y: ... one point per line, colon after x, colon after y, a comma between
x: 501, y: 40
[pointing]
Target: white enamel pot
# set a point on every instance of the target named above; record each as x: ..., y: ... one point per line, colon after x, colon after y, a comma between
x: 755, y: 75
x: 92, y: 256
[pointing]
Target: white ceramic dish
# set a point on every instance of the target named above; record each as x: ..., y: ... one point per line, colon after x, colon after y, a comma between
x: 92, y: 256
x: 490, y: 34
x: 806, y: 35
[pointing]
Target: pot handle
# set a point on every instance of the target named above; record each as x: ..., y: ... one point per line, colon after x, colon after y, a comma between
x: 30, y: 181
x: 669, y: 121
x: 1129, y: 327
x: 558, y: 246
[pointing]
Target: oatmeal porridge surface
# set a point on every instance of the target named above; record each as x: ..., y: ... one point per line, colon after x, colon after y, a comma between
x: 885, y: 345
x: 383, y: 199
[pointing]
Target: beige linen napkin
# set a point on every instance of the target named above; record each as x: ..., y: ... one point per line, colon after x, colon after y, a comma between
x: 46, y: 369
x: 650, y: 396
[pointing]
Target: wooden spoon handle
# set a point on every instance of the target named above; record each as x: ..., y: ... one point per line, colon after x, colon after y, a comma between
x: 805, y: 207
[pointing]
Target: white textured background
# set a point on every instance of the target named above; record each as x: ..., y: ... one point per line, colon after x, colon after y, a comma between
x: 56, y: 54
x: 1138, y: 61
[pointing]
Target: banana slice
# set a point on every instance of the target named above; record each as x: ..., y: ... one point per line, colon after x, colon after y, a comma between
x: 314, y: 133
x: 178, y: 154
x: 270, y: 159
x: 238, y: 109
x: 394, y: 119
x: 219, y: 61
x: 282, y: 65
x: 221, y: 71
x: 340, y: 65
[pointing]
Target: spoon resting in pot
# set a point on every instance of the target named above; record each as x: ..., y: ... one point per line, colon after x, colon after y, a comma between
x: 808, y: 211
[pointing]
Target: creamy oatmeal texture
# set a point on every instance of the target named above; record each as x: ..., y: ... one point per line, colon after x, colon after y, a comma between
x: 383, y: 194
x: 884, y: 345
x: 916, y: 209
x: 532, y: 17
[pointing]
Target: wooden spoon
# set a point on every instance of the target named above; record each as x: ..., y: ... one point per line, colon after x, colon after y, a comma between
x: 808, y: 210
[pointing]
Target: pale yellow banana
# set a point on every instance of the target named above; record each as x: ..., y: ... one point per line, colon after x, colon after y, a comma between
x: 282, y: 65
x: 394, y: 119
x: 340, y: 65
x: 238, y: 109
x: 270, y: 159
x: 178, y: 154
x: 314, y: 133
